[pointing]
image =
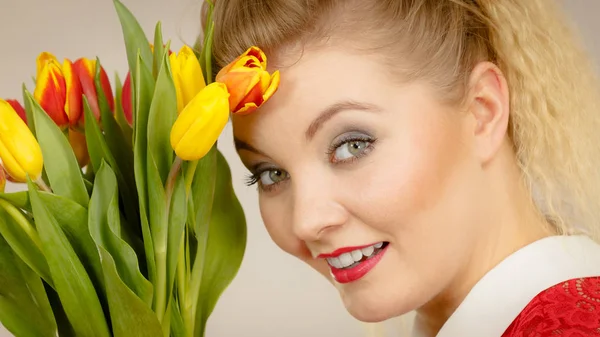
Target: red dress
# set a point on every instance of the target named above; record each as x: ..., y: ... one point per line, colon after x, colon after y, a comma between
x: 569, y: 309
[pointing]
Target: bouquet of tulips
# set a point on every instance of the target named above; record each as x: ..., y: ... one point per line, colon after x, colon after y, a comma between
x: 128, y: 224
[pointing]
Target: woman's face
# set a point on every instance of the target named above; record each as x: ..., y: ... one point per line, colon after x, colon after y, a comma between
x: 371, y: 183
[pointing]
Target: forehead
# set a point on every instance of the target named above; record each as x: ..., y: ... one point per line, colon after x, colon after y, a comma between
x: 309, y: 84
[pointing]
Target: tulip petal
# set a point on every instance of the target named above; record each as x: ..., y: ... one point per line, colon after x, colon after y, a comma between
x: 248, y: 108
x: 187, y: 75
x: 18, y: 108
x: 239, y: 83
x: 192, y: 77
x: 175, y: 70
x: 255, y: 96
x: 73, y: 104
x: 11, y: 165
x: 84, y: 69
x: 201, y: 122
x: 106, y: 88
x: 42, y: 59
x: 274, y: 85
x: 19, y: 150
x: 51, y: 90
x: 126, y: 99
x: 251, y: 53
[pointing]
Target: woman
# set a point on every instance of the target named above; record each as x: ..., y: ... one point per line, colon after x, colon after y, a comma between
x: 441, y: 156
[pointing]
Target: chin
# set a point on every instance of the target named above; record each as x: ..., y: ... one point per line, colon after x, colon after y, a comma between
x: 373, y: 306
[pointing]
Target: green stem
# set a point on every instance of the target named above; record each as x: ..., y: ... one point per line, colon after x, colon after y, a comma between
x: 161, y: 256
x: 182, y: 280
x: 42, y: 185
x: 189, y: 176
x: 161, y: 284
x: 197, y: 273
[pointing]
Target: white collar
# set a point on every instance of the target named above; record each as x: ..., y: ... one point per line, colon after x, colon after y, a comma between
x: 498, y: 298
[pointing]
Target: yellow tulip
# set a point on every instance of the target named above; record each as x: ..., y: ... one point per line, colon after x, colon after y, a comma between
x: 187, y: 76
x: 19, y: 150
x: 201, y: 122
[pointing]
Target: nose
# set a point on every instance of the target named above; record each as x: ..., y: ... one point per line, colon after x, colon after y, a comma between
x: 316, y: 210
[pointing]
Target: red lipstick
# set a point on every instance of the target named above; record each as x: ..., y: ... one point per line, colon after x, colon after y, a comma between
x: 359, y: 269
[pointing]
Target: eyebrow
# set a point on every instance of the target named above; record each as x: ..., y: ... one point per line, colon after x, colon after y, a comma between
x: 333, y: 110
x: 318, y: 123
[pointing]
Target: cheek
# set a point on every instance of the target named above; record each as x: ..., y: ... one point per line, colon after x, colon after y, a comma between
x: 276, y: 217
x: 413, y: 182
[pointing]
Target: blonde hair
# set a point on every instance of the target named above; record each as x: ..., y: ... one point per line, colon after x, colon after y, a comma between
x: 554, y: 118
x: 554, y: 96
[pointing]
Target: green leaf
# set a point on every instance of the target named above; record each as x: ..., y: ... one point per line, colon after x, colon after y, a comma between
x: 18, y: 199
x: 143, y: 93
x: 159, y: 229
x: 130, y: 316
x: 177, y: 327
x: 121, y: 154
x: 203, y: 190
x: 163, y: 113
x: 28, y: 109
x: 225, y: 247
x: 71, y: 281
x: 205, y: 57
x: 72, y: 219
x: 105, y: 227
x: 176, y: 228
x: 24, y: 307
x: 23, y: 238
x: 65, y: 328
x: 60, y: 162
x: 159, y: 49
x: 136, y: 42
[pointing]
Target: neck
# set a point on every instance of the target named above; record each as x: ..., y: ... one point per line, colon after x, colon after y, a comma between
x: 510, y: 222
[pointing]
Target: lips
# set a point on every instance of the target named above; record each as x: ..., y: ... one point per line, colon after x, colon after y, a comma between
x: 352, y: 263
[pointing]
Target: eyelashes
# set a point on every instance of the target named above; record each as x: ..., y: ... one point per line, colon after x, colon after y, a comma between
x: 352, y: 146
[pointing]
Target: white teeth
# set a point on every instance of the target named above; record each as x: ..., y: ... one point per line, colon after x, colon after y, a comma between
x: 356, y: 255
x: 335, y: 262
x: 346, y: 259
x: 368, y: 250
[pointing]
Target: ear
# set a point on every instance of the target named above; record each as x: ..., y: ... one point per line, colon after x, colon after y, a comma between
x: 490, y: 108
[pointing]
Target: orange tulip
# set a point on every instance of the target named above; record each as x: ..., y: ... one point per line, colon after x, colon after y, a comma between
x: 86, y: 71
x: 18, y: 108
x: 58, y: 90
x: 248, y: 81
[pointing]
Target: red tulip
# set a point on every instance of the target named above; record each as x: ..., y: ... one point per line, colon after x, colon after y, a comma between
x: 58, y: 90
x: 85, y: 69
x: 126, y: 99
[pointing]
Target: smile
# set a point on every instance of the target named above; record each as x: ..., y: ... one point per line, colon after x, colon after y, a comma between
x: 350, y: 264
